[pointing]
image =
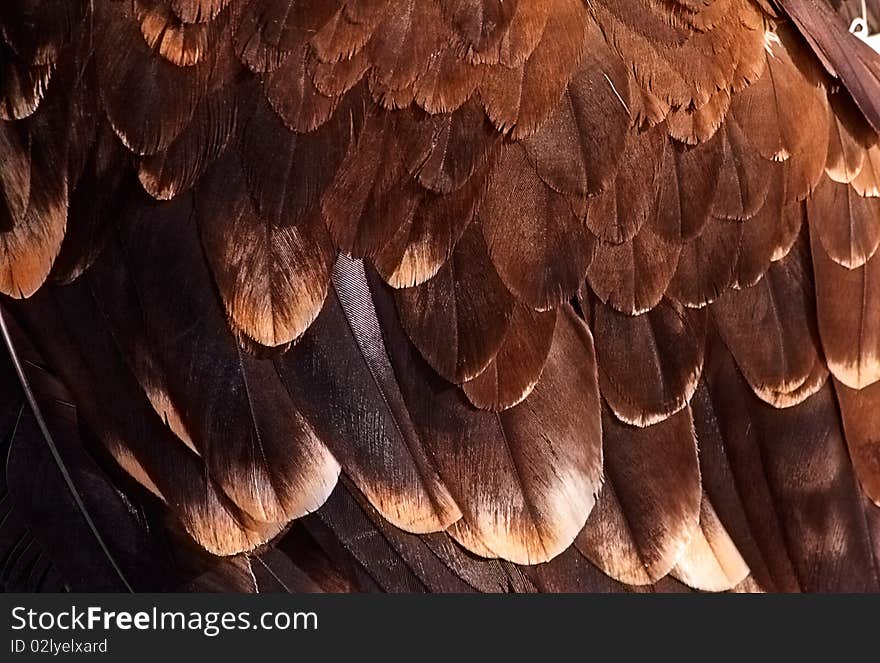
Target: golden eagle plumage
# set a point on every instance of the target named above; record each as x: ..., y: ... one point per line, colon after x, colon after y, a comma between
x: 439, y: 295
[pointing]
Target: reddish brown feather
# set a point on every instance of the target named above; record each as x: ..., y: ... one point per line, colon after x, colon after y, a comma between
x: 520, y: 99
x: 458, y: 319
x: 860, y: 411
x: 335, y: 78
x: 482, y: 25
x: 273, y: 278
x: 528, y: 229
x: 517, y: 366
x: 847, y: 224
x: 182, y: 44
x: 649, y: 365
x: 618, y: 214
x: 698, y: 125
x: 849, y: 316
x: 649, y: 507
x: 784, y: 115
x: 370, y: 197
x: 770, y: 330
x: 632, y: 277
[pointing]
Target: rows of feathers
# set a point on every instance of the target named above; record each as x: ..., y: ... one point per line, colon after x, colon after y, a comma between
x: 543, y: 286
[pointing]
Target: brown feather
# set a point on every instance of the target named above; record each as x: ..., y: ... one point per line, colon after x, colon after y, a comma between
x: 430, y: 229
x: 849, y: 316
x: 22, y: 87
x: 632, y: 277
x: 293, y: 96
x: 32, y: 241
x: 528, y: 229
x: 867, y: 182
x: 769, y: 235
x: 403, y: 42
x: 745, y: 176
x: 847, y: 224
x: 860, y: 411
x: 649, y: 365
x: 577, y: 152
x: 688, y: 181
x: 526, y: 478
x: 770, y: 329
x: 286, y: 172
x: 177, y: 169
x: 447, y: 83
x: 273, y: 278
x: 458, y: 319
x: 711, y: 561
x: 180, y: 43
x: 520, y: 99
x: 266, y: 31
x: 198, y: 11
x: 848, y: 139
x: 517, y: 366
x: 649, y: 508
x: 95, y: 368
x: 784, y: 115
x: 618, y: 214
x: 451, y: 147
x: 791, y: 470
x: 707, y: 264
x: 271, y: 462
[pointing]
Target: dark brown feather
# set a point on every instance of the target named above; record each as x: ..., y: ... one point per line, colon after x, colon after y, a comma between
x: 770, y: 330
x: 849, y: 316
x: 649, y: 364
x: 272, y: 277
x: 860, y: 411
x: 270, y: 462
x: 458, y: 319
x: 649, y: 507
x: 847, y: 224
x: 341, y: 376
x: 632, y: 277
x: 517, y: 366
x: 528, y: 227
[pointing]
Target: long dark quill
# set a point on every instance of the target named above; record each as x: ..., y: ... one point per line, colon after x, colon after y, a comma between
x: 115, y: 578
